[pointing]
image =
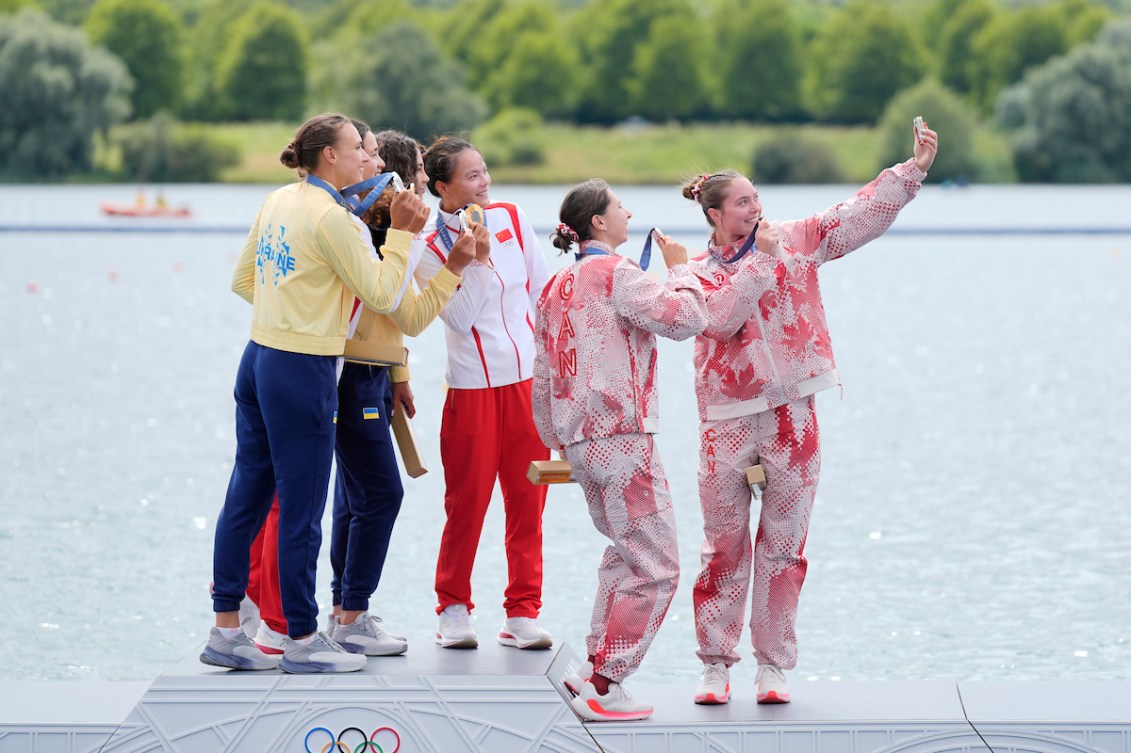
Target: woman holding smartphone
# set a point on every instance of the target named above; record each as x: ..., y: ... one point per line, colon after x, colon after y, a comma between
x: 758, y: 365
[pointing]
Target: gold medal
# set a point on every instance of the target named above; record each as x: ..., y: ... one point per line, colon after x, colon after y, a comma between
x: 475, y: 213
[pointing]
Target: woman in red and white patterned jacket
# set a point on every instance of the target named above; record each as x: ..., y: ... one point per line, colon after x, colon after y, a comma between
x: 758, y: 364
x: 595, y: 399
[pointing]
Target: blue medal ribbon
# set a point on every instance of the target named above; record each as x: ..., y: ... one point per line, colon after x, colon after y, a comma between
x: 442, y: 231
x: 716, y: 251
x: 376, y: 186
x: 645, y: 255
x: 314, y: 180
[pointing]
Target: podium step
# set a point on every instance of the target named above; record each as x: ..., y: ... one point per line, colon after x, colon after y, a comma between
x: 502, y: 700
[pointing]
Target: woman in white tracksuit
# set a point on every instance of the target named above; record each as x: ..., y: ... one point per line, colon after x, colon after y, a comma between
x: 759, y: 362
x: 595, y: 398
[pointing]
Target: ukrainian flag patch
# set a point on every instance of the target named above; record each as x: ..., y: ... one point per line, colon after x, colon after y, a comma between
x: 369, y: 413
x: 335, y: 417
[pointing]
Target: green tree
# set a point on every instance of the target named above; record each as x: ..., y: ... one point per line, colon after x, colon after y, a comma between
x: 539, y: 73
x: 163, y: 150
x: 511, y: 137
x: 465, y: 38
x: 945, y: 112
x: 792, y: 158
x: 146, y: 35
x: 1010, y: 45
x: 262, y: 74
x: 69, y: 12
x: 610, y: 33
x: 758, y: 60
x: 398, y: 79
x: 493, y: 44
x: 11, y: 6
x: 59, y: 91
x: 1069, y: 120
x: 1082, y: 19
x: 667, y: 72
x: 206, y: 45
x: 955, y: 41
x: 866, y: 55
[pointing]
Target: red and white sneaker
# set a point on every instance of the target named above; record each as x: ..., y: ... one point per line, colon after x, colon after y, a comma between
x: 524, y: 632
x: 455, y: 630
x: 714, y: 688
x: 576, y: 679
x: 615, y: 706
x: 771, y: 685
x: 268, y: 641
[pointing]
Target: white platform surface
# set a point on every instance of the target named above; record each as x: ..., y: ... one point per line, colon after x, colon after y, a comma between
x: 500, y: 700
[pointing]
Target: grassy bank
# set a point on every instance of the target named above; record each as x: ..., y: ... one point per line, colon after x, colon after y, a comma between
x: 622, y: 155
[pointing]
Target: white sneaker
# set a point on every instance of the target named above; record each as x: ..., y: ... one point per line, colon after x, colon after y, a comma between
x: 455, y: 630
x: 268, y: 641
x: 331, y: 623
x: 319, y: 653
x: 365, y: 636
x: 249, y: 617
x: 235, y: 653
x: 575, y: 680
x: 714, y: 688
x: 524, y: 632
x: 771, y: 685
x: 616, y: 706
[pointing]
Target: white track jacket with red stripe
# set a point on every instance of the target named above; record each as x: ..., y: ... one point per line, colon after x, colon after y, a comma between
x: 595, y: 371
x: 490, y: 318
x: 774, y: 347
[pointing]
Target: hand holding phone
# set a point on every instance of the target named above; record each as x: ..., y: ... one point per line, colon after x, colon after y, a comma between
x: 917, y: 124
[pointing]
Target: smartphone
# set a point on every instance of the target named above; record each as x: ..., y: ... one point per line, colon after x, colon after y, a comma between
x: 657, y: 234
x: 462, y: 220
x: 917, y: 124
x: 398, y: 184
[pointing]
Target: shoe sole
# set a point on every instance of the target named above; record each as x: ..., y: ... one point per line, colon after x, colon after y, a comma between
x: 710, y: 699
x: 310, y: 668
x: 506, y: 639
x: 214, y: 659
x: 353, y: 648
x: 773, y: 697
x: 601, y: 715
x: 461, y: 643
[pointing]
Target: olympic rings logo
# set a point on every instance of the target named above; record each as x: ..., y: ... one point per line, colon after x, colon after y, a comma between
x: 339, y: 744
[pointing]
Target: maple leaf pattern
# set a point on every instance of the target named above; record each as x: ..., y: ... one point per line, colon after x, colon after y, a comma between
x: 783, y: 351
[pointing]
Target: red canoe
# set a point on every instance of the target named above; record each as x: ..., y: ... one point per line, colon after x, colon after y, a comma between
x: 144, y: 210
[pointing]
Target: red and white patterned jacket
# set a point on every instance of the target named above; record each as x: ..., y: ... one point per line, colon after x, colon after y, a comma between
x: 490, y: 318
x: 595, y: 360
x: 762, y: 349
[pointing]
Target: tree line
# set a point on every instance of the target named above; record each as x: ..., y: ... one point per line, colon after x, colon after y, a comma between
x: 435, y: 67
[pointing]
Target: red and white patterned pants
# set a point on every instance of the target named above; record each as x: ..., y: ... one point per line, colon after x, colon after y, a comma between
x: 630, y: 504
x: 785, y: 441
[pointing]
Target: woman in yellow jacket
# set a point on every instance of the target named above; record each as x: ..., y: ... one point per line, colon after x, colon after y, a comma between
x: 303, y: 263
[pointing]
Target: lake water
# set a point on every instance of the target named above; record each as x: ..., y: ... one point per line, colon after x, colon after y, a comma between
x: 972, y: 522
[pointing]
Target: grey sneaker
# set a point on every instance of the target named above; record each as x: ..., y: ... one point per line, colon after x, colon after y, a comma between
x: 365, y: 636
x: 321, y: 654
x: 235, y: 653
